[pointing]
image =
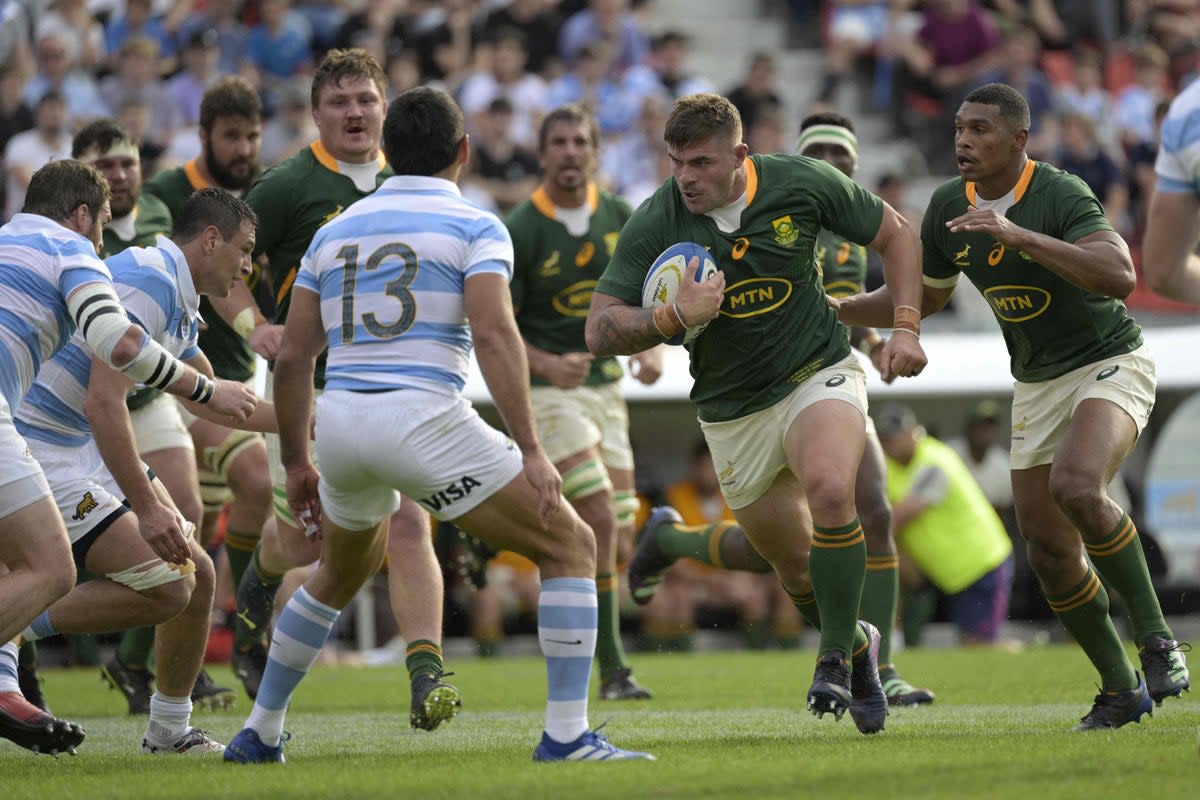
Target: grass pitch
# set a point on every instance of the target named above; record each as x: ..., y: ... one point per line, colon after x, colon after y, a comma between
x: 721, y: 724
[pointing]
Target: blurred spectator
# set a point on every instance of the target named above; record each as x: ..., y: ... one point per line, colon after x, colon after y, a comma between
x: 292, y: 128
x: 985, y: 456
x: 403, y: 72
x: 325, y: 19
x: 610, y: 21
x: 539, y: 23
x: 1134, y: 109
x: 638, y: 191
x: 29, y: 150
x: 757, y: 88
x: 634, y: 157
x: 893, y: 188
x: 769, y: 132
x: 79, y: 32
x: 15, y: 114
x: 57, y: 72
x: 134, y: 115
x: 278, y: 47
x: 224, y: 19
x: 590, y: 84
x: 139, y: 21
x: 507, y: 172
x: 947, y: 531
x: 955, y: 47
x: 1080, y: 154
x: 381, y: 28
x: 136, y: 77
x: 444, y: 49
x: 15, y: 31
x: 1022, y: 50
x: 507, y: 77
x: 201, y: 69
x: 1140, y: 170
x: 1086, y: 95
x: 856, y: 27
x: 1064, y: 24
x: 664, y: 70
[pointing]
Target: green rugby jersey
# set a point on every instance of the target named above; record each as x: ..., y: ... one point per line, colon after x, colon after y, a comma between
x: 1050, y: 325
x: 293, y: 199
x: 228, y: 352
x: 775, y: 328
x: 843, y: 264
x: 151, y: 219
x: 555, y: 272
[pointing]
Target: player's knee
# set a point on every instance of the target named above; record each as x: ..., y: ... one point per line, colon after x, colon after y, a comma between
x: 1049, y: 558
x: 597, y: 510
x: 1075, y: 489
x: 58, y: 579
x: 792, y: 569
x: 205, y: 574
x: 828, y: 496
x: 170, y: 599
x: 256, y: 493
x: 571, y: 546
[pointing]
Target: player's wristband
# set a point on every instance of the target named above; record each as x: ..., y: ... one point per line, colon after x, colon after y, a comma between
x: 204, y: 390
x: 666, y: 322
x: 679, y: 314
x: 907, y: 318
x: 244, y: 323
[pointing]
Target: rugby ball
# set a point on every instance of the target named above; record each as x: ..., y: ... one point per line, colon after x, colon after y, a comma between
x: 661, y: 286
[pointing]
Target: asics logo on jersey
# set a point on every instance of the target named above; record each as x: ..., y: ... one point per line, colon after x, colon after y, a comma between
x: 741, y: 246
x: 786, y: 231
x: 1017, y: 303
x: 960, y: 258
x: 610, y: 241
x: 452, y: 493
x: 85, y: 506
x: 995, y: 254
x: 584, y: 256
x: 1107, y: 373
x: 755, y: 296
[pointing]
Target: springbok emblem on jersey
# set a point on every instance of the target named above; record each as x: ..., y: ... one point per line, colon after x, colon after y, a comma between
x: 960, y: 258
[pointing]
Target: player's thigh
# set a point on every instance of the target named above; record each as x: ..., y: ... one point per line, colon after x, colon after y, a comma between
x: 779, y: 525
x: 826, y: 424
x: 1040, y: 519
x: 33, y: 538
x: 1099, y: 438
x: 870, y: 494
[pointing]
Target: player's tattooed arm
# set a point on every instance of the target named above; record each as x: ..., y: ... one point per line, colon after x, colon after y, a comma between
x: 615, y: 328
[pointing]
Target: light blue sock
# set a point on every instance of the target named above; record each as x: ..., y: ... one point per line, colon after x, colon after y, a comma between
x: 299, y: 636
x: 8, y: 668
x: 40, y: 628
x: 567, y: 621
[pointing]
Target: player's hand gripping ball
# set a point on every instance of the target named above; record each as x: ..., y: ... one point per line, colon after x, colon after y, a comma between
x: 661, y: 286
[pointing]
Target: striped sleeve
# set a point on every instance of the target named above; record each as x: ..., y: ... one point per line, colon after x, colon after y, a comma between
x: 1178, y: 162
x: 490, y: 248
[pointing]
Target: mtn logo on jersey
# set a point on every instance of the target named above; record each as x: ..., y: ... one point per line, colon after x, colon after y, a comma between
x: 85, y: 506
x: 1017, y: 303
x: 786, y: 232
x: 452, y: 493
x: 575, y: 300
x: 755, y: 296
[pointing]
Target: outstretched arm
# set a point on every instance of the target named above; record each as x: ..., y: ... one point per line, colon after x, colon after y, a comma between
x: 1169, y: 255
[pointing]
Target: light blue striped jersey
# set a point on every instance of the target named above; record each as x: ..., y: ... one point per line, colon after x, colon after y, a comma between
x: 156, y: 289
x: 390, y: 272
x: 1178, y: 163
x: 41, y: 264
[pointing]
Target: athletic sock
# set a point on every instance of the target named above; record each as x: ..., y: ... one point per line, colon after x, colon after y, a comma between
x: 708, y: 545
x: 1083, y: 611
x: 610, y: 653
x: 169, y: 717
x: 881, y: 592
x: 919, y: 606
x: 567, y: 622
x: 838, y: 564
x: 40, y: 628
x: 255, y: 603
x: 8, y: 668
x: 806, y: 604
x: 299, y: 636
x: 27, y: 655
x: 423, y: 655
x: 1121, y: 562
x: 239, y: 549
x: 137, y: 644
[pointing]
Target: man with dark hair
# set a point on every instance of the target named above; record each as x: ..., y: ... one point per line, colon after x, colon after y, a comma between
x: 65, y: 209
x: 232, y: 464
x: 827, y: 137
x: 1035, y: 242
x: 293, y: 200
x: 563, y: 237
x: 398, y: 352
x: 139, y: 219
x: 775, y: 380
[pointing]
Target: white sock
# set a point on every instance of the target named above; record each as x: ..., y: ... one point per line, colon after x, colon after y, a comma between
x: 567, y: 619
x: 8, y: 668
x: 169, y: 717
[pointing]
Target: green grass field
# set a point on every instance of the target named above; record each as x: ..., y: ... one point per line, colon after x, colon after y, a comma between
x: 722, y: 725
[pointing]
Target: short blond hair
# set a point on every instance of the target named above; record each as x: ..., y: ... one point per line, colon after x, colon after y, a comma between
x: 699, y: 117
